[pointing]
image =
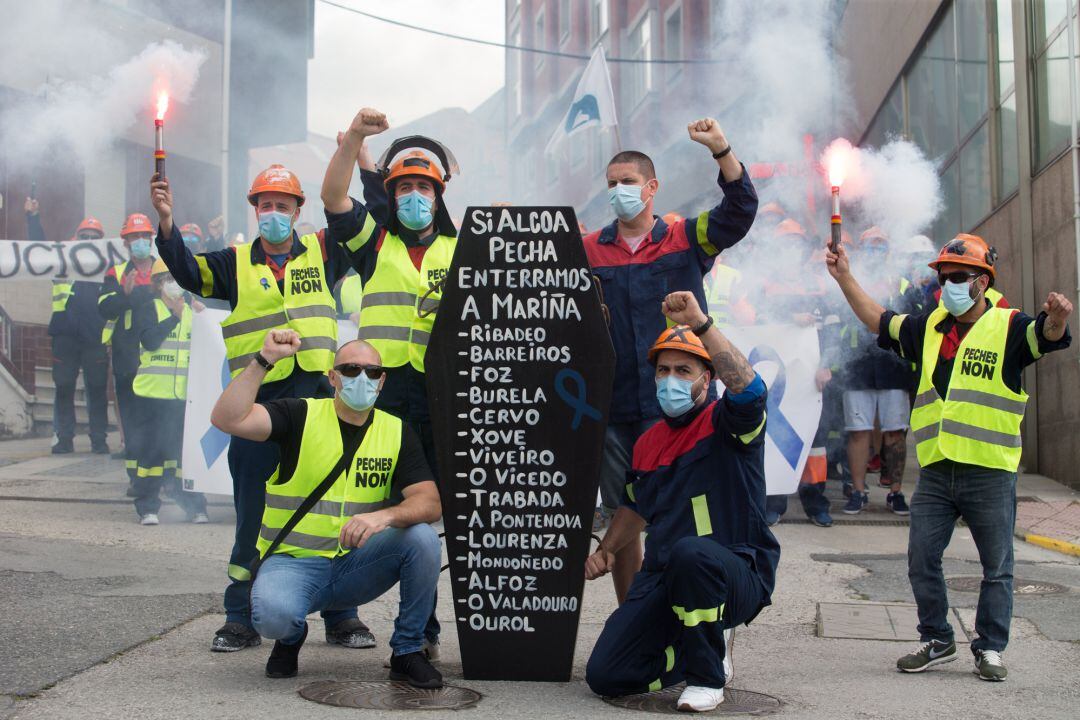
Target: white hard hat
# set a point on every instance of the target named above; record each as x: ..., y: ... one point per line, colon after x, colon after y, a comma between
x: 918, y: 245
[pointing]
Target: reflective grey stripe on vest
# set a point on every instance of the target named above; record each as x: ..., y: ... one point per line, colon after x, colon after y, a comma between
x: 420, y: 337
x: 299, y: 539
x: 310, y: 311
x: 926, y: 398
x: 161, y: 370
x: 323, y: 507
x: 996, y: 402
x: 927, y: 433
x: 377, y: 299
x: 266, y: 322
x: 312, y: 343
x: 383, y: 332
x: 172, y: 345
x: 990, y: 437
x: 427, y: 307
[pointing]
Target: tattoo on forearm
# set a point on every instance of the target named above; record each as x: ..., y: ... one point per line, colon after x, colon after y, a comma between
x: 732, y: 369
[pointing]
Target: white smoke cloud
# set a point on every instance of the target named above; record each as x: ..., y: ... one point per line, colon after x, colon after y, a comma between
x: 89, y: 115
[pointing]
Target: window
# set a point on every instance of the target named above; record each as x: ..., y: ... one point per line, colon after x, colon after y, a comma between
x: 889, y: 122
x: 639, y: 75
x: 564, y: 21
x: 539, y: 39
x: 972, y: 64
x: 598, y: 18
x: 975, y: 179
x: 1008, y: 162
x: 932, y: 92
x: 673, y: 42
x: 1050, y: 90
x: 513, y: 71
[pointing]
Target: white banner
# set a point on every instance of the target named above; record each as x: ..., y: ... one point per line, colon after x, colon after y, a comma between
x: 70, y: 260
x: 206, y: 449
x: 787, y: 358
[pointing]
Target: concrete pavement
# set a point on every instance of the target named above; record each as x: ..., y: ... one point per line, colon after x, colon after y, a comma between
x: 106, y: 618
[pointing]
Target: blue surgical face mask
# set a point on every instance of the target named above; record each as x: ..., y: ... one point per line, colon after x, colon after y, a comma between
x: 956, y: 297
x: 358, y: 393
x: 626, y: 201
x: 675, y: 395
x: 140, y: 249
x: 191, y: 240
x: 275, y: 227
x: 414, y: 210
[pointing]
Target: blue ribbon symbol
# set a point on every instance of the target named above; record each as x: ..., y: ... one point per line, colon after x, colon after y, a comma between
x: 265, y: 283
x: 777, y: 427
x: 578, y: 400
x: 213, y: 441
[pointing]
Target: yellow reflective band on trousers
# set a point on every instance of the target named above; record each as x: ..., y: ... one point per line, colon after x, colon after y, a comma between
x: 352, y: 294
x: 239, y: 572
x: 702, y: 521
x: 693, y: 618
x: 400, y: 304
x: 307, y: 307
x: 978, y: 422
x: 719, y: 284
x: 61, y: 293
x: 110, y: 325
x: 655, y: 685
x: 363, y: 487
x: 669, y: 658
x: 163, y: 372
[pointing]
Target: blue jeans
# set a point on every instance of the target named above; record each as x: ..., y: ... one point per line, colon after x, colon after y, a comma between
x: 287, y: 588
x: 986, y: 500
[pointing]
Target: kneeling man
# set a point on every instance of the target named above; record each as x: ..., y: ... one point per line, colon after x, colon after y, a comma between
x: 352, y: 546
x: 697, y: 485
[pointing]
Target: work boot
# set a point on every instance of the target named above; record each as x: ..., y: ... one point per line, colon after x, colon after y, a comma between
x: 100, y: 448
x: 63, y: 447
x: 928, y: 655
x: 233, y: 636
x: 415, y: 669
x: 700, y: 699
x: 351, y: 633
x: 988, y: 666
x: 284, y: 659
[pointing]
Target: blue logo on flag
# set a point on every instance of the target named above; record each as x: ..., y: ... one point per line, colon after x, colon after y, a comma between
x: 582, y: 112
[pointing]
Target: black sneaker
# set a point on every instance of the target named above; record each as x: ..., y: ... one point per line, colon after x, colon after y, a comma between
x: 233, y: 636
x: 416, y: 670
x: 352, y: 633
x: 896, y: 502
x: 99, y: 449
x: 284, y: 659
x: 928, y: 655
x: 63, y: 447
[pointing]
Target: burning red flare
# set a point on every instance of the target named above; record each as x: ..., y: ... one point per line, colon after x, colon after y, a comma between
x: 838, y: 160
x: 162, y: 105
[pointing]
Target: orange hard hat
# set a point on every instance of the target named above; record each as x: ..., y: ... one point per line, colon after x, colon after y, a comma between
x: 873, y: 233
x: 90, y: 223
x: 416, y: 164
x: 970, y: 250
x: 672, y: 217
x: 772, y: 208
x: 276, y: 178
x: 789, y: 227
x: 683, y: 339
x: 136, y: 223
x: 191, y: 229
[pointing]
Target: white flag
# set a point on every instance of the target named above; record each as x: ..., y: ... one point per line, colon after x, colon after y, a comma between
x: 593, y: 104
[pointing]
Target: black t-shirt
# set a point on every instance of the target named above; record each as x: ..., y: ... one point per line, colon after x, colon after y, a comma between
x: 287, y: 417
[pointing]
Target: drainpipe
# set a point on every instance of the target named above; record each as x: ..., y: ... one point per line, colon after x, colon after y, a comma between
x: 1075, y: 147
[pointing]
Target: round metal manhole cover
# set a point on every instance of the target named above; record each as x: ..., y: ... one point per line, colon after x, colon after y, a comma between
x: 388, y: 695
x: 736, y: 702
x: 972, y: 583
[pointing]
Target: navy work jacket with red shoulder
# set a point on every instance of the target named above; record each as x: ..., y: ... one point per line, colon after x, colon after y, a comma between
x: 674, y: 257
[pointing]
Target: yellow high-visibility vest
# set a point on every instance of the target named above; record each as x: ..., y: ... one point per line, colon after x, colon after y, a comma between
x: 363, y: 487
x: 978, y: 422
x: 307, y: 307
x: 162, y: 373
x: 400, y: 302
x: 125, y: 317
x: 352, y: 294
x: 718, y: 287
x: 62, y: 290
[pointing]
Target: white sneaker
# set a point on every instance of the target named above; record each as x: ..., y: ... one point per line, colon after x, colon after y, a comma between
x: 700, y: 699
x: 148, y: 519
x: 200, y: 519
x: 431, y: 650
x: 729, y: 663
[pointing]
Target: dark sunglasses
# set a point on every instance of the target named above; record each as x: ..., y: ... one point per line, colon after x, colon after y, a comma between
x: 351, y: 370
x: 960, y: 276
